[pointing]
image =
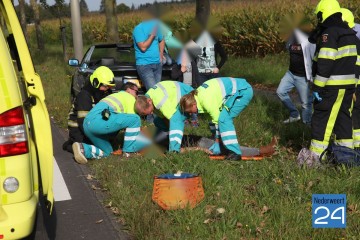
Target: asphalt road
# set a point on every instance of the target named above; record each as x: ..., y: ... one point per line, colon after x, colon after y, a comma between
x: 78, y: 210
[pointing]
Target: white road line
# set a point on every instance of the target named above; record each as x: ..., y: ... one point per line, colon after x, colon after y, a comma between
x: 61, y: 192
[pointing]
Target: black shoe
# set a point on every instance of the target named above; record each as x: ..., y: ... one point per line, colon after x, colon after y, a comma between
x: 224, y: 150
x: 67, y: 146
x: 233, y: 156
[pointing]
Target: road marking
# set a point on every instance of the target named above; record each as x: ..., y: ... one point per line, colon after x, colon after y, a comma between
x: 61, y: 192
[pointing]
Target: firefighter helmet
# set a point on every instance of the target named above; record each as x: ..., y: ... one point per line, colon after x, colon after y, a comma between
x: 102, y: 76
x: 326, y: 8
x: 347, y: 16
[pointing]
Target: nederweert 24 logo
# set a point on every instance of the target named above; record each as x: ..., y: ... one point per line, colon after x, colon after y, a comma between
x: 329, y: 210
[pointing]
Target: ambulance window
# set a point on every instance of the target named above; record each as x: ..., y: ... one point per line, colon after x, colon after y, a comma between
x: 13, y: 51
x: 11, y: 42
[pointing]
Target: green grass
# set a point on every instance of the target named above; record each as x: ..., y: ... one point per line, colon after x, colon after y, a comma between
x: 56, y: 79
x: 245, y: 190
x: 269, y: 199
x: 266, y: 71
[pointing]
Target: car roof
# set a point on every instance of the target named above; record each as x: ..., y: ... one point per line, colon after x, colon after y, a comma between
x: 113, y: 45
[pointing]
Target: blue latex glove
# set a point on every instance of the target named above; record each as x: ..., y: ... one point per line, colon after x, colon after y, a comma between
x: 317, y: 96
x: 215, y: 148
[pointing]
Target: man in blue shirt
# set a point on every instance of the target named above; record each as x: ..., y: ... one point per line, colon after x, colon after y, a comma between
x: 149, y: 52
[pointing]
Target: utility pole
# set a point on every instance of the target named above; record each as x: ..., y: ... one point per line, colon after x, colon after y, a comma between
x: 76, y: 29
x: 202, y: 11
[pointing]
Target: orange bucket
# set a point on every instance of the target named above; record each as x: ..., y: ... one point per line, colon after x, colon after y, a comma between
x: 174, y: 191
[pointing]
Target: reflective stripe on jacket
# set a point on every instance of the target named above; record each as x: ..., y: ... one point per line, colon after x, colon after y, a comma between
x: 214, y: 93
x: 336, y: 59
x: 121, y: 102
x: 166, y: 96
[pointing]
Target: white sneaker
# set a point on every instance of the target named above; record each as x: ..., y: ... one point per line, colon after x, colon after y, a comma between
x: 292, y: 119
x: 78, y: 154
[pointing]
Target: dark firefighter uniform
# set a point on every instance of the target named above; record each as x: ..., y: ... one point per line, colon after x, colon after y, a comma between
x: 348, y: 17
x: 356, y: 110
x: 83, y: 103
x: 334, y: 83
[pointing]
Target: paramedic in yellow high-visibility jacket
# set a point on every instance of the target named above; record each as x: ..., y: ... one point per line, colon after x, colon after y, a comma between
x: 223, y: 99
x: 113, y: 113
x: 165, y: 97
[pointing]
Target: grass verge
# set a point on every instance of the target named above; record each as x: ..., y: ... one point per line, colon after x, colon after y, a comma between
x: 266, y: 71
x: 269, y: 199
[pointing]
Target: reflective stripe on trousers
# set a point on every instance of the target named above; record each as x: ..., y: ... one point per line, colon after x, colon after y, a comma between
x: 100, y: 132
x: 176, y: 130
x: 226, y: 124
x: 332, y: 114
x: 356, y: 137
x: 72, y: 123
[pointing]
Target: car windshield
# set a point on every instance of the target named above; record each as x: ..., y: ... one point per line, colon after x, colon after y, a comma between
x: 109, y: 56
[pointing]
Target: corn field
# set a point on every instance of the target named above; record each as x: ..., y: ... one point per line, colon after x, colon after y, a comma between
x: 248, y: 28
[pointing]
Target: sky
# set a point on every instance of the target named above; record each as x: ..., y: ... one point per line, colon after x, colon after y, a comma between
x: 94, y: 5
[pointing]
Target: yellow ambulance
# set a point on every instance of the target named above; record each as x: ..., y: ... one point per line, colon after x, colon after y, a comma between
x: 26, y: 153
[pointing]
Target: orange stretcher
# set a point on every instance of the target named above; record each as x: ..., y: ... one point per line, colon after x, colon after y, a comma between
x: 243, y: 158
x: 177, y: 192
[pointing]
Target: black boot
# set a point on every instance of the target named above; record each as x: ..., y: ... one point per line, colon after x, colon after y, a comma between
x: 231, y: 156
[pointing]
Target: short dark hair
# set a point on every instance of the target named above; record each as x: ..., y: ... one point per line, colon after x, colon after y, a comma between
x: 128, y: 85
x: 141, y: 104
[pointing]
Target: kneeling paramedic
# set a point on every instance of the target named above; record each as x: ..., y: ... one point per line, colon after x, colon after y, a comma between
x: 165, y: 96
x: 223, y: 99
x: 104, y: 121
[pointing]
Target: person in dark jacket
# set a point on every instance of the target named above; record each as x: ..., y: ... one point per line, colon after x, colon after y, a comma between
x: 348, y: 17
x: 334, y: 82
x: 207, y: 61
x: 100, y: 82
x: 298, y: 76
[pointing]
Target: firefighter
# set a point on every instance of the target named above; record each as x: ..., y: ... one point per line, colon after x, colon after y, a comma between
x: 223, y: 99
x: 113, y: 113
x: 348, y: 17
x: 100, y: 82
x: 334, y: 82
x: 165, y: 97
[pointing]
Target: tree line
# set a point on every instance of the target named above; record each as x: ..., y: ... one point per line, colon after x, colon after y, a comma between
x: 41, y: 10
x: 60, y: 8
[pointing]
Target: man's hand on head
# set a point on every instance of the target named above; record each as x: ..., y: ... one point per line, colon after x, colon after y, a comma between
x: 154, y: 31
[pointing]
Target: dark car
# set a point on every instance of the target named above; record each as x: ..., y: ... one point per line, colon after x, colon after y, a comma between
x: 120, y: 58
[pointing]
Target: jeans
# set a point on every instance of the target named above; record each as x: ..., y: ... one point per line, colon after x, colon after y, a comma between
x: 149, y: 74
x: 288, y: 82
